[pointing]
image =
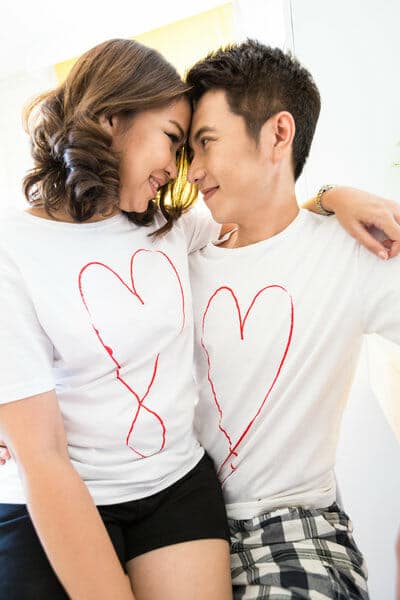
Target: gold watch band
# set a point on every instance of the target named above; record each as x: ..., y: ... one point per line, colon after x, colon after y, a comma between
x: 318, y: 201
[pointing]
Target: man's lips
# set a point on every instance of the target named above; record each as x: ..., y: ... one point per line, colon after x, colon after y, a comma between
x: 208, y: 192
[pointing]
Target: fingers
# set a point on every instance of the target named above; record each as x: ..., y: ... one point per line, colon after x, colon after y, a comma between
x: 394, y: 250
x: 392, y: 247
x: 4, y: 454
x: 389, y: 225
x: 372, y: 244
x: 389, y: 222
x: 372, y: 212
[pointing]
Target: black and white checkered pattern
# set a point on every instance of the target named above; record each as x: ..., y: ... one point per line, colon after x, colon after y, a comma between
x: 297, y: 553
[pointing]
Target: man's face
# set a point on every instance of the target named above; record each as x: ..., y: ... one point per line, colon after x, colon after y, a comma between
x: 227, y: 165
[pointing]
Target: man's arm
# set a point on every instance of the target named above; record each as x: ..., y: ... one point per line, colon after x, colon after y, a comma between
x: 64, y: 515
x: 357, y: 211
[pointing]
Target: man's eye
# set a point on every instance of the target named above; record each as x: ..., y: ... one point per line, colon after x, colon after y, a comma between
x: 204, y: 142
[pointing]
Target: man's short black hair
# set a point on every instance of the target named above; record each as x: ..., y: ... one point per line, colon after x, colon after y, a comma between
x: 260, y: 81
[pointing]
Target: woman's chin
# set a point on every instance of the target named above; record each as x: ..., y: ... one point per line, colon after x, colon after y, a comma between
x: 134, y: 206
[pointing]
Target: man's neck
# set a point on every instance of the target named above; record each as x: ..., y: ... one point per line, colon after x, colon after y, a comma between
x: 272, y: 218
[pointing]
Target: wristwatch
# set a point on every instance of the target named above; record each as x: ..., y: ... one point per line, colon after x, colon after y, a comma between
x: 318, y: 201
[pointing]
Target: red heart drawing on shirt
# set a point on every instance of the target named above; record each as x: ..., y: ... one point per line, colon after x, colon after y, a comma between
x: 144, y: 417
x: 226, y: 468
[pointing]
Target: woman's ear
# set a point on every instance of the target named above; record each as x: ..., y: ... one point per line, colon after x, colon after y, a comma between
x: 108, y: 123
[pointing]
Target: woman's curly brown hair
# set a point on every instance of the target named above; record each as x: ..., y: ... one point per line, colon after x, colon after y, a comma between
x: 75, y: 168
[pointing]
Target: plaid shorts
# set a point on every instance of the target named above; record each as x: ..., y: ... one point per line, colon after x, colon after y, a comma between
x: 297, y: 553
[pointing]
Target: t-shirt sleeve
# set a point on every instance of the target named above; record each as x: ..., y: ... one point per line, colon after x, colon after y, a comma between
x: 379, y: 285
x: 26, y: 353
x: 199, y: 227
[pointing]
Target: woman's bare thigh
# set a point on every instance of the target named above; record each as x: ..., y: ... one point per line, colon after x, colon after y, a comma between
x: 195, y: 570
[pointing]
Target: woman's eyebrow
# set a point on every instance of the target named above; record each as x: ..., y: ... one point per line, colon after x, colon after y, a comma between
x: 182, y: 136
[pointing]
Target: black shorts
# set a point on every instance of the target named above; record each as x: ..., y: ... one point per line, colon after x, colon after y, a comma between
x: 190, y: 509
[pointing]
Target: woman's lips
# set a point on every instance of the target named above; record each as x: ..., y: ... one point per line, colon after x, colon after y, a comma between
x: 154, y: 188
x: 155, y: 185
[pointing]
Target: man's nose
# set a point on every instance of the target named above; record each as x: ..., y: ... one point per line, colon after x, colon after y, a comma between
x: 195, y: 173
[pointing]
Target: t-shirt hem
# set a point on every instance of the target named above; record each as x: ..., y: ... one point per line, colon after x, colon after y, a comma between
x: 14, y: 393
x: 166, y: 483
x: 106, y: 500
x: 250, y: 510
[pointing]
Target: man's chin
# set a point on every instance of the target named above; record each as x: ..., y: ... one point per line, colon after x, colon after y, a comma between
x: 221, y: 216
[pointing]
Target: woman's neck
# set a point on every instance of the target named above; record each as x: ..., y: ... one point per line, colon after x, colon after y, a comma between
x: 61, y: 215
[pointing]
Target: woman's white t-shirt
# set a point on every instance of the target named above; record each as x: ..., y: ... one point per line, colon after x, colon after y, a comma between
x: 101, y: 312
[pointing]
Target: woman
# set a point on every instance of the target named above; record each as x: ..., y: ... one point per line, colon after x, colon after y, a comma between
x: 77, y: 275
x: 96, y: 327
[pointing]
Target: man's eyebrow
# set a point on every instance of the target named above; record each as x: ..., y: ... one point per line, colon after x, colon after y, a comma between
x: 201, y: 131
x: 182, y: 136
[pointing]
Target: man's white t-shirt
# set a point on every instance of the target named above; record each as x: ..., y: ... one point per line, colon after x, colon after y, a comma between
x: 278, y: 330
x: 102, y: 313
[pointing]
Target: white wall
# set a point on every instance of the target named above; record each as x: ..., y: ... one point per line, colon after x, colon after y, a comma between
x: 44, y: 32
x: 353, y: 49
x: 15, y: 91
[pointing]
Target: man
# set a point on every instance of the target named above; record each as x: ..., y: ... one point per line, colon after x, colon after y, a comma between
x: 281, y: 307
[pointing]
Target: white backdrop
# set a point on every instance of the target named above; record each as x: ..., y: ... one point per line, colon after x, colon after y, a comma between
x: 41, y: 33
x: 353, y: 49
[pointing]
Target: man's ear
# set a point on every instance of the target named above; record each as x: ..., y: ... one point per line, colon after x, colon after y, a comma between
x: 284, y: 128
x: 277, y: 134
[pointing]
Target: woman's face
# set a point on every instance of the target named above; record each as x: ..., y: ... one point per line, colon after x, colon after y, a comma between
x: 148, y: 149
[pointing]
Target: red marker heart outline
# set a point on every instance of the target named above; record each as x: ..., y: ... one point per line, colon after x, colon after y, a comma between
x: 233, y: 446
x: 110, y: 352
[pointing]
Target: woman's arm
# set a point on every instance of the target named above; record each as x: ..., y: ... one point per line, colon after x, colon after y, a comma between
x: 64, y: 515
x: 358, y: 211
